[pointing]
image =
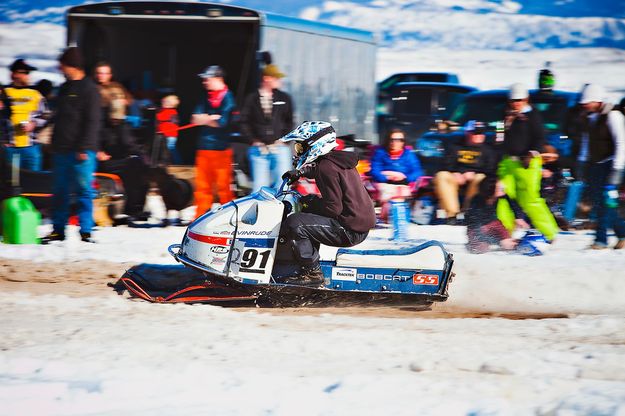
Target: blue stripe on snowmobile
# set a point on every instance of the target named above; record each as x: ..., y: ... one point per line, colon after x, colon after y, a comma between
x: 258, y: 242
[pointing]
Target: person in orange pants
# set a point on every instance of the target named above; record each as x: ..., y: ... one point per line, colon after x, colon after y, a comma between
x: 213, y: 169
x: 213, y: 160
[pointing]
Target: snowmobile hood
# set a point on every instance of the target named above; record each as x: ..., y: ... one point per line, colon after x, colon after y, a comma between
x: 344, y: 160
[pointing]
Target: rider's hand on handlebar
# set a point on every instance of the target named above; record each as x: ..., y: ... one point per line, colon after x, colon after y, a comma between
x: 292, y: 176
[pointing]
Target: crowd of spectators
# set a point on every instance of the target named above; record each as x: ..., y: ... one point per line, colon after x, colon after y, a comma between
x: 493, y: 187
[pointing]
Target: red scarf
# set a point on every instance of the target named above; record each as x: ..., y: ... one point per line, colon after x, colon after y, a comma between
x: 396, y: 154
x: 216, y: 97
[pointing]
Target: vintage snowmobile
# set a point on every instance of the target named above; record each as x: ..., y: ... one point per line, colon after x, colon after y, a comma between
x: 237, y: 254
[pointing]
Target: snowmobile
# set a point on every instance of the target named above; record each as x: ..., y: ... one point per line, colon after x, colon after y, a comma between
x: 235, y: 255
x: 238, y: 254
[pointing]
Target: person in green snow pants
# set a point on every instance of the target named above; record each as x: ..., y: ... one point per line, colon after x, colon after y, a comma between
x: 523, y: 185
x: 520, y: 170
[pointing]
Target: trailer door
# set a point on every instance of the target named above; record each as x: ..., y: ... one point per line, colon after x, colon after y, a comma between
x: 153, y: 57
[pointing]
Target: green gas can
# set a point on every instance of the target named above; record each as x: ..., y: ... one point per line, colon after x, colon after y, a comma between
x: 20, y: 220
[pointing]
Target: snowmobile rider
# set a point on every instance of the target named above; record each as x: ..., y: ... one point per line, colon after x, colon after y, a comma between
x: 342, y: 216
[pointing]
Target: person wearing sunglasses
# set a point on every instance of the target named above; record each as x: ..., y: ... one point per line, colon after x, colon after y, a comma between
x: 28, y: 109
x: 394, y: 168
x: 520, y: 169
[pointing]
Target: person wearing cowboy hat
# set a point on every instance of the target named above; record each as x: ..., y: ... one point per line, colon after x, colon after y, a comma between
x: 28, y: 109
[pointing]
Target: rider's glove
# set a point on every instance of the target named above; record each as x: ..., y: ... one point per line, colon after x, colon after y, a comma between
x: 292, y: 176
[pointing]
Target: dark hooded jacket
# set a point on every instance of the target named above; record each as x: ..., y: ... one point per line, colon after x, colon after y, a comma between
x: 343, y: 196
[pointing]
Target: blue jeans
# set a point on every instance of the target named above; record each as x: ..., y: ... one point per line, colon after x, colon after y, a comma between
x: 174, y: 155
x: 267, y: 164
x: 71, y: 175
x: 606, y: 217
x: 30, y: 156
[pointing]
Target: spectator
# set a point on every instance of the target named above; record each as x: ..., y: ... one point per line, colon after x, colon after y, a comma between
x: 467, y: 164
x: 521, y: 167
x: 28, y: 109
x: 267, y: 115
x: 74, y: 146
x: 118, y: 151
x: 6, y: 130
x: 44, y: 135
x: 606, y: 155
x: 575, y: 129
x: 213, y: 160
x: 167, y: 125
x: 394, y: 169
x: 483, y: 227
x: 114, y: 103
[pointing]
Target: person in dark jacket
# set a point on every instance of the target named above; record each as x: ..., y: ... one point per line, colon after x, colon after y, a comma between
x: 342, y: 216
x: 483, y: 227
x: 606, y: 157
x: 520, y: 170
x: 213, y: 158
x: 466, y: 164
x: 74, y: 146
x: 119, y: 153
x: 267, y: 115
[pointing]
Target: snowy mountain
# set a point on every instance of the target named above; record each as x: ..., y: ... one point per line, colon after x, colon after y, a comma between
x: 483, y: 24
x: 476, y: 24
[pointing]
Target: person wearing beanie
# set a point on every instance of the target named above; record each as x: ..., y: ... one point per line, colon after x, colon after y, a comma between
x: 520, y: 169
x: 266, y: 116
x: 28, y: 116
x: 605, y: 133
x: 74, y: 146
x: 213, y: 158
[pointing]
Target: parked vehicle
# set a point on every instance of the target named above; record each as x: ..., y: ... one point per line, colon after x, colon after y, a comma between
x: 159, y: 47
x: 414, y: 106
x: 489, y: 107
x: 387, y: 83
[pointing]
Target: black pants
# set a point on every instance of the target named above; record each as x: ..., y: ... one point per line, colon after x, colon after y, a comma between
x: 134, y: 174
x: 306, y: 232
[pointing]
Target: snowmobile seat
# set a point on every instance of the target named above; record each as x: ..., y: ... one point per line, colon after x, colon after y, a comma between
x: 429, y: 256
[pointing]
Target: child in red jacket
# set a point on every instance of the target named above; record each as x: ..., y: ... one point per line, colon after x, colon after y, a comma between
x: 167, y: 124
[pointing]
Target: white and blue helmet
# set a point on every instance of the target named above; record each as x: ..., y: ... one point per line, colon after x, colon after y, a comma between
x: 313, y: 140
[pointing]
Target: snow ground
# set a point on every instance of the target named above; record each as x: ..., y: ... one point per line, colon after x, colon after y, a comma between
x: 108, y: 355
